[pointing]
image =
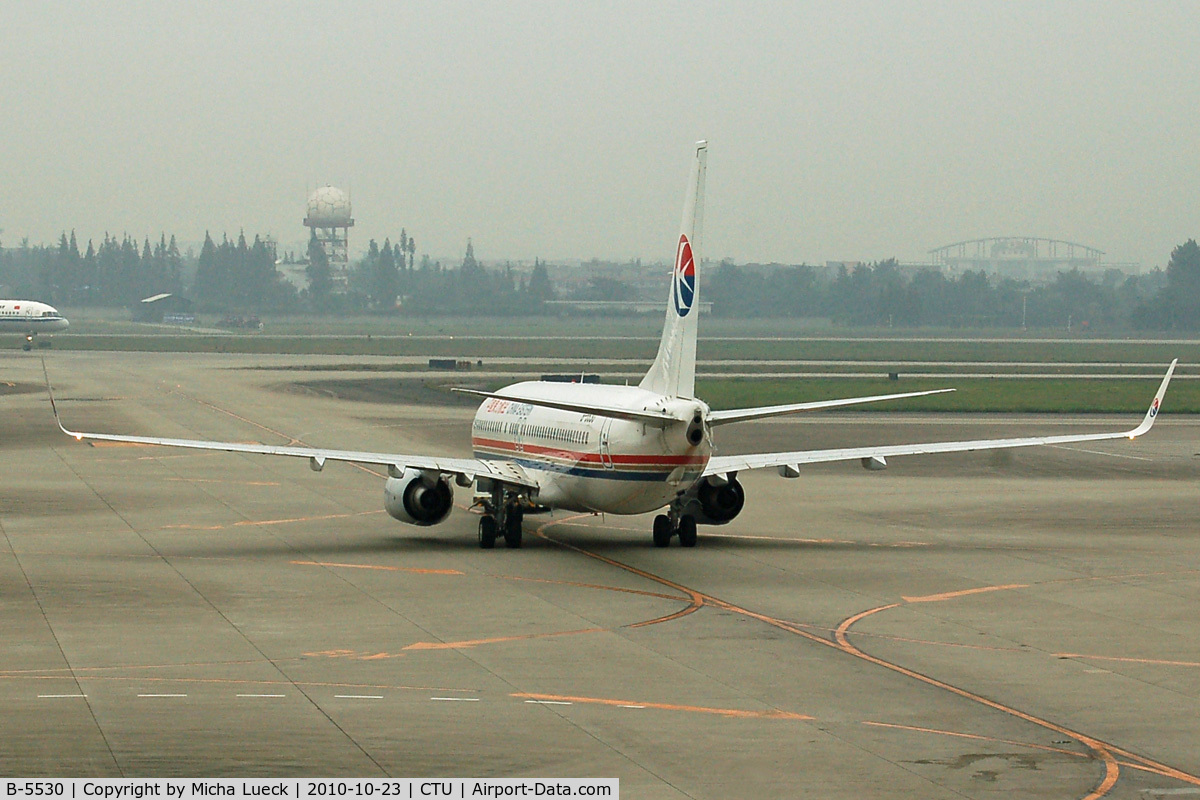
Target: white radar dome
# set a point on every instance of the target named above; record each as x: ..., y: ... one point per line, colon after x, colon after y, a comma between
x: 328, y: 206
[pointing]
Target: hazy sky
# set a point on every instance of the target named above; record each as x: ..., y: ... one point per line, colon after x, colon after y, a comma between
x: 838, y: 130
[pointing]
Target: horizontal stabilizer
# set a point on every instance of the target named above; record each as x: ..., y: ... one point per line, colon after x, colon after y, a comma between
x: 659, y: 419
x: 763, y: 412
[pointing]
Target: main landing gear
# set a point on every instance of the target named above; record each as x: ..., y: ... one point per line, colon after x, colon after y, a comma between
x: 504, y: 516
x: 682, y: 525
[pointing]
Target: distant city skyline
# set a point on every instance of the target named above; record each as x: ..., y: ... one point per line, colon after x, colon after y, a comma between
x: 855, y: 130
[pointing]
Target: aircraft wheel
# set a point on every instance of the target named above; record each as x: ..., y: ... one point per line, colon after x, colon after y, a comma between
x: 662, y: 530
x: 487, y: 531
x: 27, y: 347
x: 512, y: 532
x: 687, y: 531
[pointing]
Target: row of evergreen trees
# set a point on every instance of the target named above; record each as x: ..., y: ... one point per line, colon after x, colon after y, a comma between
x: 240, y: 276
x: 883, y: 294
x: 118, y: 272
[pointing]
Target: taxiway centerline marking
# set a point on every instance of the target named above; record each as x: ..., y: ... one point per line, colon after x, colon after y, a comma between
x: 495, y: 640
x: 457, y: 699
x: 934, y: 598
x: 358, y: 696
x: 1157, y: 661
x: 550, y: 699
x: 48, y: 696
x: 162, y: 695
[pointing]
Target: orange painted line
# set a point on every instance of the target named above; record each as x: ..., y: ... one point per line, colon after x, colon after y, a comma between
x: 976, y: 736
x: 300, y: 519
x: 250, y: 522
x: 1157, y: 661
x: 1112, y: 770
x: 415, y: 570
x: 934, y: 598
x: 683, y: 612
x: 696, y: 599
x: 1165, y: 773
x: 587, y: 586
x: 1103, y: 750
x: 724, y: 712
x: 495, y: 640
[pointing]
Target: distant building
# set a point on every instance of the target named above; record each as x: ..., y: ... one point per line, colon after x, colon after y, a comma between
x: 164, y: 307
x: 1023, y: 257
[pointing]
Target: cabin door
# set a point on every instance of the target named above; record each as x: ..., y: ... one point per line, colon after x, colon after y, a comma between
x: 605, y: 452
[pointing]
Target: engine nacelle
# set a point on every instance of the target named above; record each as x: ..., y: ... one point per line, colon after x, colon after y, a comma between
x: 418, y: 498
x: 713, y: 501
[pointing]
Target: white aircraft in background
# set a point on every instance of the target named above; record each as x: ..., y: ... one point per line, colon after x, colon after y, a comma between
x: 612, y: 449
x: 30, y: 318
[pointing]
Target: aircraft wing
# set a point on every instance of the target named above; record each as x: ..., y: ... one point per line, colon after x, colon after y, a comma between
x: 722, y: 465
x: 502, y: 471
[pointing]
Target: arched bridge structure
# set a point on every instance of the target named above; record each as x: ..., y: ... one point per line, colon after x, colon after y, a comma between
x: 1018, y: 256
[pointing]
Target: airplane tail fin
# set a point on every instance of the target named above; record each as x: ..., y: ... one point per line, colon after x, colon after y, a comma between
x: 674, y: 370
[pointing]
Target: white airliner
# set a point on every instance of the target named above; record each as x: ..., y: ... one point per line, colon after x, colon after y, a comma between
x: 30, y: 318
x: 612, y: 449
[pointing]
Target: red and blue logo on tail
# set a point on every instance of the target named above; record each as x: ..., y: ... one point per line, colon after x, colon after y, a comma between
x: 685, y: 278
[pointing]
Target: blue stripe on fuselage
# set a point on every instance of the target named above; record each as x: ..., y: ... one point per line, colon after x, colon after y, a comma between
x: 583, y: 472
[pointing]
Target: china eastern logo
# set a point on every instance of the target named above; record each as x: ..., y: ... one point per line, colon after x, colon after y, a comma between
x: 1154, y: 408
x: 684, y: 281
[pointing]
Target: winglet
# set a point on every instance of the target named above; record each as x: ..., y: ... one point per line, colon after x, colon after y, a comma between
x: 50, y: 391
x: 53, y: 405
x: 1152, y: 413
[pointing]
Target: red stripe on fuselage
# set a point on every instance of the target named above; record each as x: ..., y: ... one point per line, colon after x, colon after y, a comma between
x: 662, y: 460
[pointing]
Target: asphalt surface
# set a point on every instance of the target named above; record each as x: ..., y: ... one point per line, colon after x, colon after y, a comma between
x: 972, y: 625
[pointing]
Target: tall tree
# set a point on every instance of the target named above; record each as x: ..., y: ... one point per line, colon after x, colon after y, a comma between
x: 540, y: 289
x: 1183, y: 286
x: 385, y: 284
x: 207, y: 286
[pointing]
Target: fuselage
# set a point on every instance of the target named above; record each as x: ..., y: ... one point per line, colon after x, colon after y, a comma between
x: 586, y: 462
x: 30, y: 316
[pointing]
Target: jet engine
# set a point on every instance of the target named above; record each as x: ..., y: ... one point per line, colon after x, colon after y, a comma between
x: 418, y: 498
x: 713, y: 500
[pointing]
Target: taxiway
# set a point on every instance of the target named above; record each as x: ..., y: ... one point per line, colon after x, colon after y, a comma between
x: 958, y: 626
